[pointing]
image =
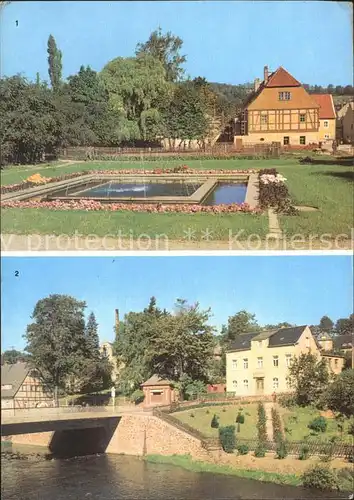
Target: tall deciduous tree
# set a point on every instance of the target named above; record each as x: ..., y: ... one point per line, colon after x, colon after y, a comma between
x: 13, y: 356
x: 56, y: 339
x: 166, y: 49
x: 54, y: 63
x: 242, y: 322
x: 326, y: 324
x: 345, y: 325
x: 339, y: 396
x: 309, y: 377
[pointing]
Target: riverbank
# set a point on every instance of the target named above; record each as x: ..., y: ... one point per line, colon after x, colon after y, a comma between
x: 244, y: 467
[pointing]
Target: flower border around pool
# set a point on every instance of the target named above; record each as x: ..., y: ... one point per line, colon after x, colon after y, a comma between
x: 94, y: 205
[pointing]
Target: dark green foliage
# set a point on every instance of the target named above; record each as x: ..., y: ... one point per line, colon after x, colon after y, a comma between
x: 240, y: 419
x: 214, y: 422
x: 308, y: 377
x: 351, y: 429
x: 241, y: 322
x: 304, y: 452
x: 54, y: 63
x: 207, y: 412
x: 277, y: 427
x: 243, y: 449
x: 137, y: 397
x: 287, y: 400
x: 321, y: 478
x: 228, y: 438
x: 281, y: 449
x: 194, y: 389
x: 262, y: 425
x: 13, y: 356
x: 192, y: 415
x: 260, y: 451
x: 339, y: 396
x: 318, y: 424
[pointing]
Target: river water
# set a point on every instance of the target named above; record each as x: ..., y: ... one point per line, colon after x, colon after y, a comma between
x: 118, y: 477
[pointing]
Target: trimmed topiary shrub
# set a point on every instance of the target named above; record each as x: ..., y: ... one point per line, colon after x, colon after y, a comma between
x: 320, y: 477
x: 240, y: 419
x: 260, y: 451
x: 214, y: 422
x: 137, y: 397
x: 318, y: 424
x: 277, y: 429
x: 281, y: 450
x: 304, y: 452
x: 228, y: 438
x: 243, y: 449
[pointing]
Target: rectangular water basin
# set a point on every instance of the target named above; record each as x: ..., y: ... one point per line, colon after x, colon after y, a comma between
x: 227, y: 193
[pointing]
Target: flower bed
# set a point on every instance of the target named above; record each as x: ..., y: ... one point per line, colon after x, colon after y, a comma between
x: 184, y: 169
x: 93, y: 206
x: 273, y: 192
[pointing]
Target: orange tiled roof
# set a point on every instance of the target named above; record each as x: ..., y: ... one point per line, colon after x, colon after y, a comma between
x: 325, y: 102
x: 281, y: 78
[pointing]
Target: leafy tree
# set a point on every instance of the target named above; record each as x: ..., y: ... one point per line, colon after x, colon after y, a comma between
x: 165, y: 48
x: 54, y: 63
x: 12, y: 356
x: 284, y: 324
x: 91, y: 334
x: 56, y: 339
x: 242, y: 322
x: 345, y: 325
x: 339, y: 396
x: 183, y: 343
x: 309, y: 377
x: 326, y: 324
x: 136, y: 88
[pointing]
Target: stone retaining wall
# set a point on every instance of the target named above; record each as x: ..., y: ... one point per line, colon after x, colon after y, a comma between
x: 136, y: 435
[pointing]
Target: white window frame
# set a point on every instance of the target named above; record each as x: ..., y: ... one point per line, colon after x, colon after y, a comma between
x: 245, y: 384
x: 245, y: 363
x: 288, y: 359
x: 326, y: 124
x: 234, y: 384
x: 302, y: 117
x: 260, y: 362
x: 275, y: 383
x: 234, y: 364
x: 276, y: 361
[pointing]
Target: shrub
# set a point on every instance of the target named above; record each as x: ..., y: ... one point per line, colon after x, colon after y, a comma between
x: 243, y: 449
x: 228, y: 438
x: 214, y: 422
x: 262, y: 425
x: 223, y: 410
x: 304, y: 452
x: 137, y: 397
x: 287, y: 400
x: 276, y: 422
x: 281, y: 450
x: 318, y: 424
x: 207, y: 412
x: 192, y: 415
x: 260, y: 451
x: 240, y: 419
x: 320, y: 477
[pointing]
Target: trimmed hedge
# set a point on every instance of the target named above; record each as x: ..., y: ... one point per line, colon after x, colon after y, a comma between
x: 227, y: 438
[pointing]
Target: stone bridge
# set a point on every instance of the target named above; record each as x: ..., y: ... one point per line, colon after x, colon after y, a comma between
x: 71, y: 431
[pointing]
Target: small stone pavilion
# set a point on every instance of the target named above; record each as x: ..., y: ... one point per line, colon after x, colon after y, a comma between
x: 158, y: 391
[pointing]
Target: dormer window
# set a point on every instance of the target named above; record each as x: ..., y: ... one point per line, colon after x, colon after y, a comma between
x: 284, y: 96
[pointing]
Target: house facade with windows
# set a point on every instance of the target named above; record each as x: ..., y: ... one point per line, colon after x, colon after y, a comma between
x: 21, y: 387
x: 258, y: 363
x: 281, y: 110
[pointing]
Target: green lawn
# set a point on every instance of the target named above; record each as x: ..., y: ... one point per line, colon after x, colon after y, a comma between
x: 297, y: 420
x: 326, y: 186
x: 203, y: 416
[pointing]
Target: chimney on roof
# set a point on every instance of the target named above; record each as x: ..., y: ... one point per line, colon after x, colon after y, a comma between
x: 116, y: 314
x: 266, y: 74
x: 257, y: 83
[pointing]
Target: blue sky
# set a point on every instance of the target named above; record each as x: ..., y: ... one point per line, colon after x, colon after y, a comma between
x: 225, y: 41
x: 288, y: 288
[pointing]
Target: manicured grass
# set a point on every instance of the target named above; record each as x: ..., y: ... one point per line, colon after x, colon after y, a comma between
x: 326, y: 186
x: 129, y: 225
x: 299, y: 430
x: 202, y: 420
x: 186, y: 462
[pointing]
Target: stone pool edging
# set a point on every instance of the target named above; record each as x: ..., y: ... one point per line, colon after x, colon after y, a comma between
x: 191, y: 204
